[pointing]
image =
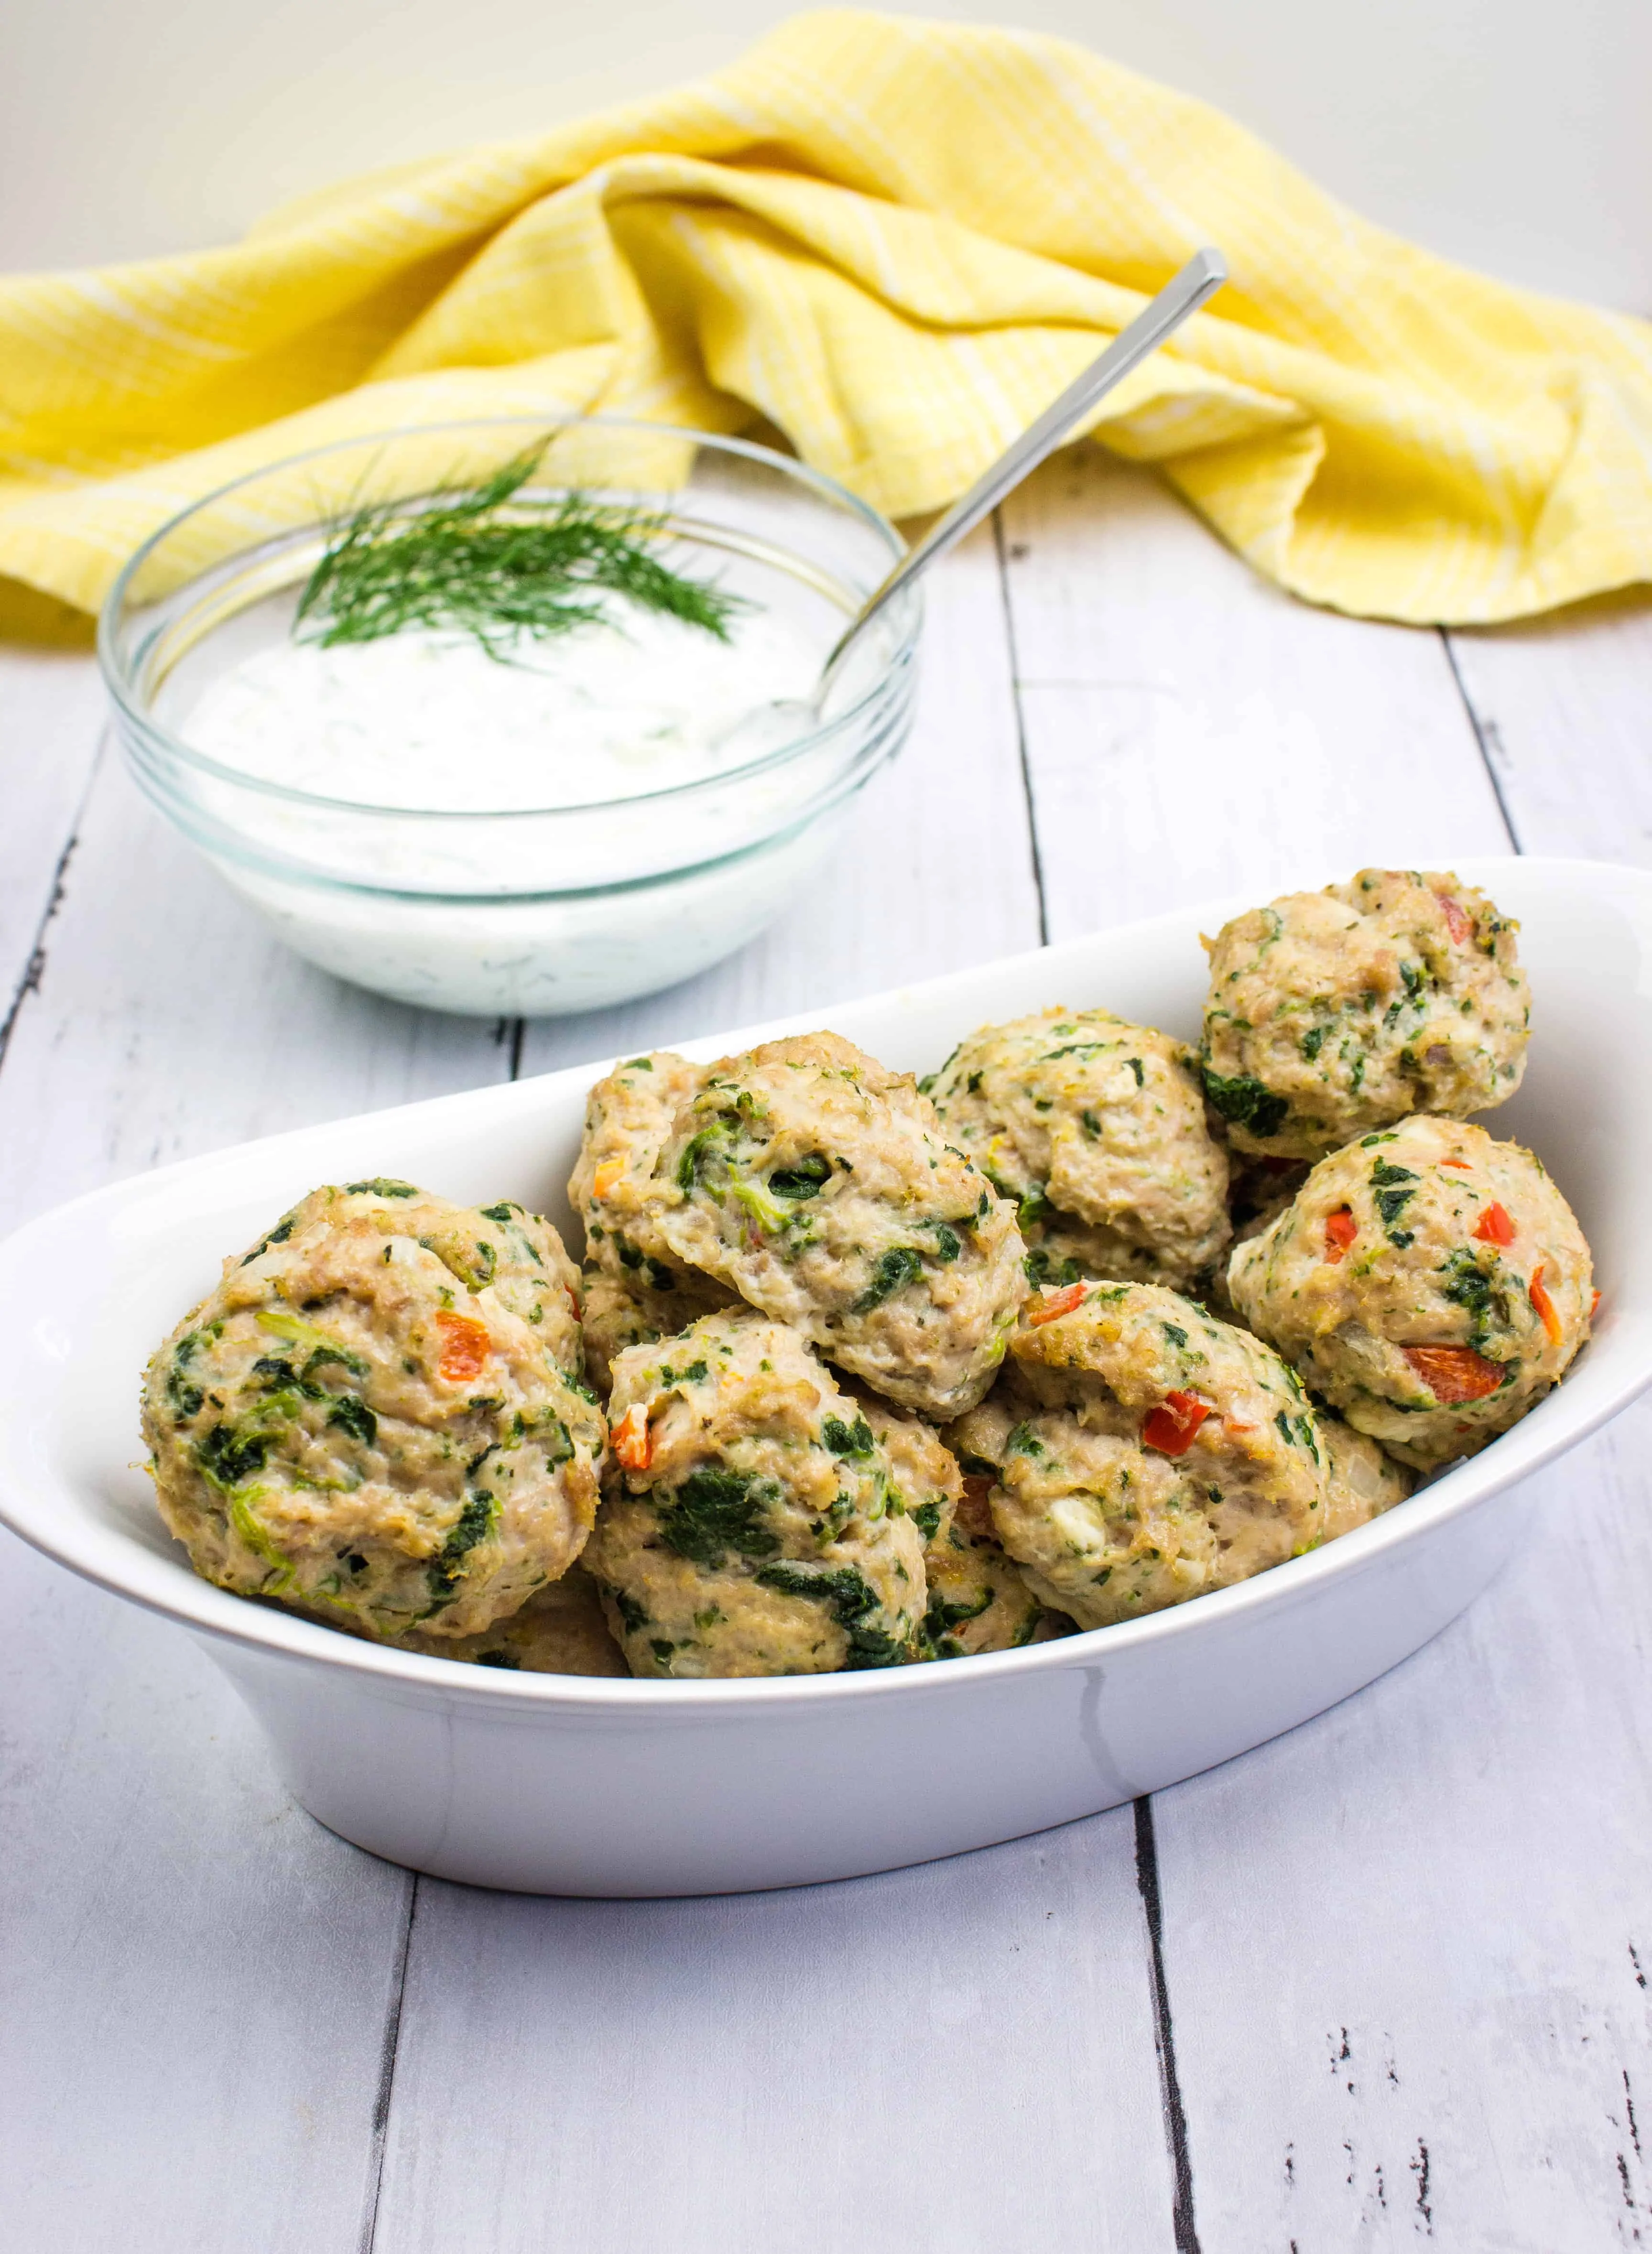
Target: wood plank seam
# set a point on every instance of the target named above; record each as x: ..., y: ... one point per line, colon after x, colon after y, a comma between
x: 389, y: 2049
x: 1184, y: 2229
x: 1020, y: 725
x: 1487, y: 736
x: 34, y: 969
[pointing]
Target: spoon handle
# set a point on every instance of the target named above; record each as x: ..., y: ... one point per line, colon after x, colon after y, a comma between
x: 1203, y: 275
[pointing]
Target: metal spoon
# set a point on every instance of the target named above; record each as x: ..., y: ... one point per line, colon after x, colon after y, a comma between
x: 1203, y: 275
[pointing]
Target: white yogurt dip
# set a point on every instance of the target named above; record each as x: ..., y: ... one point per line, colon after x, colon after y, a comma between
x: 607, y: 814
x: 638, y: 703
x: 583, y: 824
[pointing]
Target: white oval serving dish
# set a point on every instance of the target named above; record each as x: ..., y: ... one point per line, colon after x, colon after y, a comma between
x: 574, y: 1785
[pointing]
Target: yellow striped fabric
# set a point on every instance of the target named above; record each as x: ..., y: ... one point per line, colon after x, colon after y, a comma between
x: 892, y: 241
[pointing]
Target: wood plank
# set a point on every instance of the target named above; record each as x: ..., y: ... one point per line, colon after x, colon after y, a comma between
x: 52, y: 711
x: 1191, y: 729
x: 1565, y: 708
x: 195, y: 1980
x: 935, y: 872
x: 960, y: 2055
x: 1408, y: 1945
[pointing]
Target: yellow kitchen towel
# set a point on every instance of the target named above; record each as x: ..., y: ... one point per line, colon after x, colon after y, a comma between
x: 893, y: 241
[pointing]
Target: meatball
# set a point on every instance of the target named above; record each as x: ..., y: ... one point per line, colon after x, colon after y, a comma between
x: 628, y: 1118
x: 1363, y: 1481
x: 373, y: 1417
x: 1144, y: 1452
x: 978, y: 1600
x: 1096, y: 1128
x: 561, y: 1630
x: 1331, y: 1014
x: 817, y: 1185
x: 635, y: 1289
x: 1432, y: 1283
x: 923, y: 1473
x: 751, y: 1525
x: 619, y: 1312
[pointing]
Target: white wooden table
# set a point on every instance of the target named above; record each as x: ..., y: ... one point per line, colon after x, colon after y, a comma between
x: 1382, y: 1982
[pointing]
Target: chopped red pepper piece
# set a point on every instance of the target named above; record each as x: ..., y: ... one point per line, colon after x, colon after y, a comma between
x: 1454, y: 1372
x: 1495, y: 1226
x: 1340, y: 1230
x: 1169, y: 1428
x: 633, y: 1441
x: 1594, y: 1306
x: 1549, y: 1314
x: 573, y: 1301
x: 1461, y: 1164
x: 1459, y: 925
x: 1058, y: 1303
x: 465, y: 1347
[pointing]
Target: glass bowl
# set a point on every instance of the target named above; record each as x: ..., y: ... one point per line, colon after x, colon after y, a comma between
x: 525, y: 909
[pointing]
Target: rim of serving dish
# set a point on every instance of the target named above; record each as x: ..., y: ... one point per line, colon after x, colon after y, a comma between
x: 122, y: 689
x: 169, y: 1587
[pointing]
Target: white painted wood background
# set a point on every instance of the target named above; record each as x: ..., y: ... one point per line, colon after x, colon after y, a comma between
x: 1376, y: 1985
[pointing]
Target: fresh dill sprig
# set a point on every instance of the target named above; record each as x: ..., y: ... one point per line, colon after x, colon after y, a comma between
x: 472, y: 563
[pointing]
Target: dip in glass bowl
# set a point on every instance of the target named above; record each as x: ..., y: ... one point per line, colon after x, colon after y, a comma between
x: 550, y: 825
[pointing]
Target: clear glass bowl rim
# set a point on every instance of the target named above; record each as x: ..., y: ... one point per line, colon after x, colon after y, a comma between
x: 118, y: 682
